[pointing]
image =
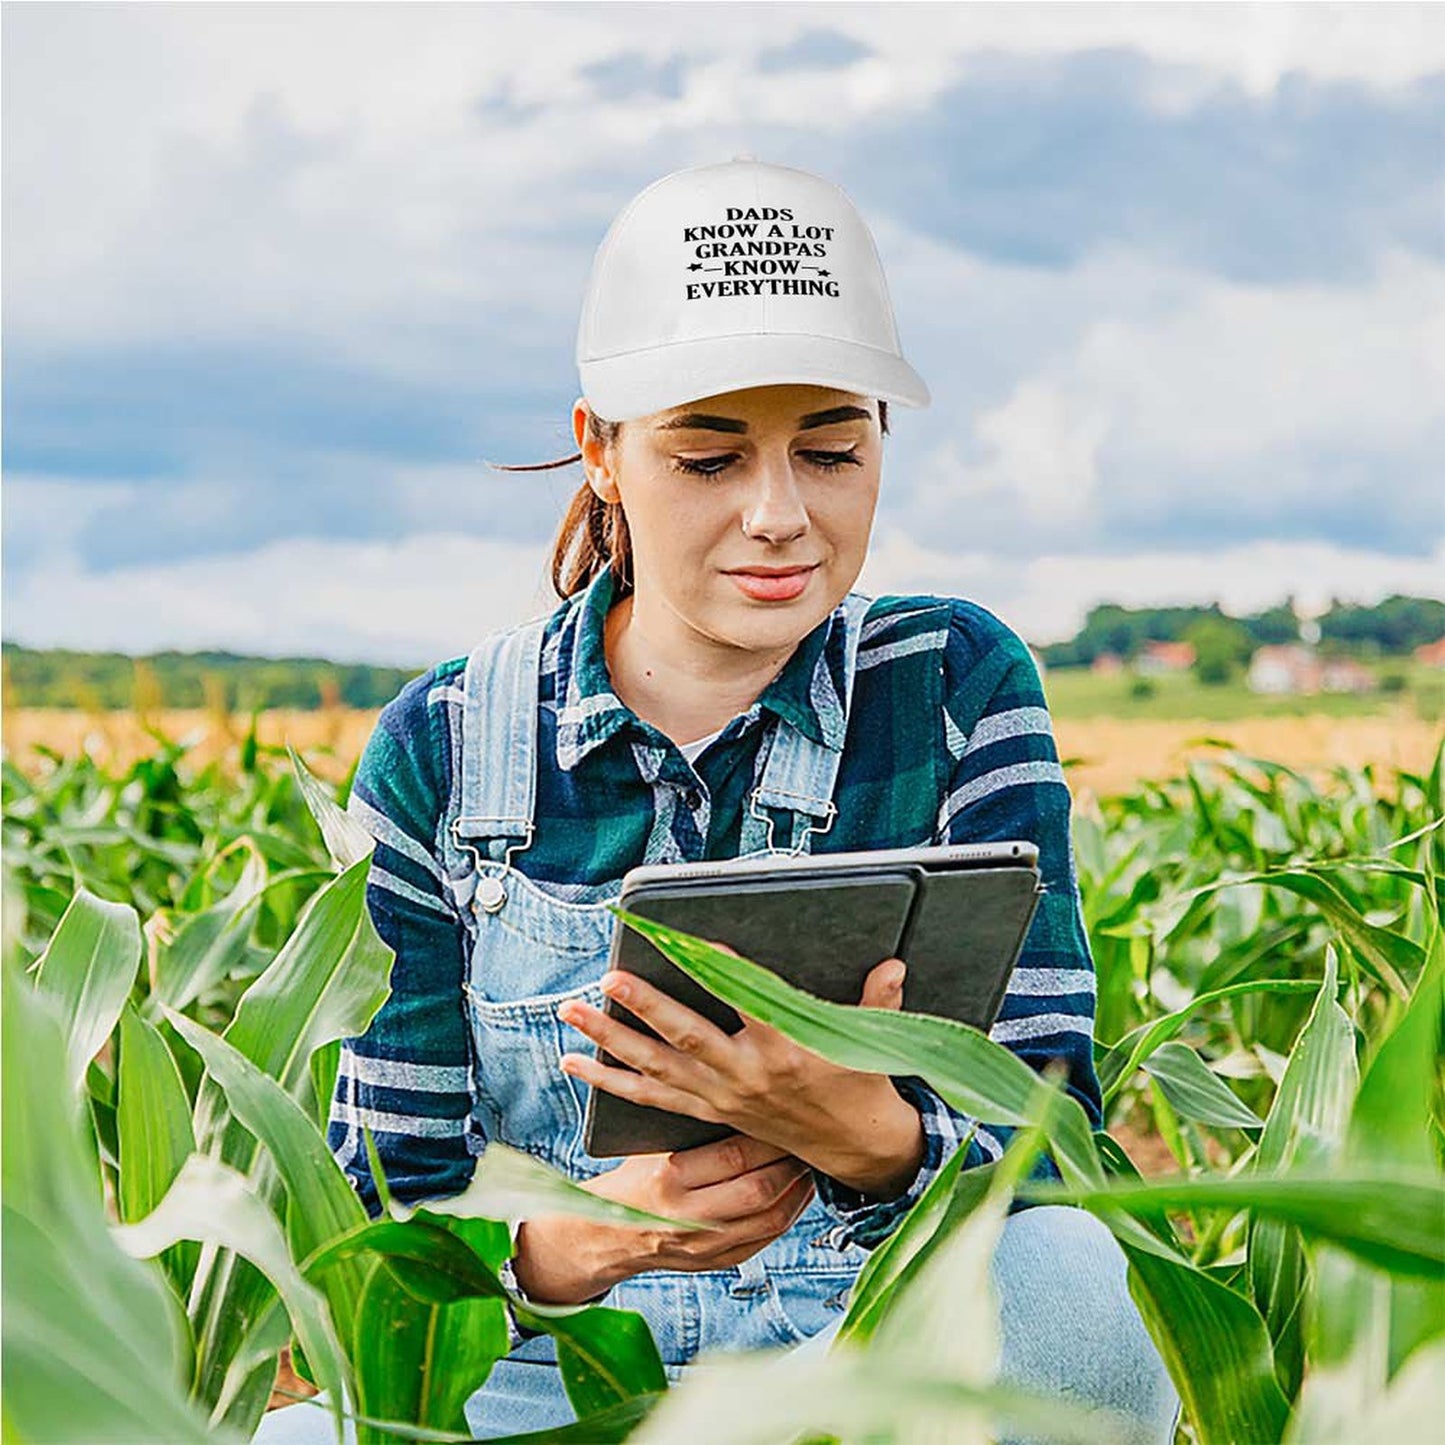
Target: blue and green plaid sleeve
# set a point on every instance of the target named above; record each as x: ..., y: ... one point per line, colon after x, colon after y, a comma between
x: 1004, y: 781
x: 407, y: 1076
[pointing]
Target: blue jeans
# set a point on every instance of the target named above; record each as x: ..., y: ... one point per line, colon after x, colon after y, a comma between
x: 1069, y: 1328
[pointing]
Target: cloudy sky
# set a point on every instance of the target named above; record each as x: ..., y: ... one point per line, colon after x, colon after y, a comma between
x: 279, y: 279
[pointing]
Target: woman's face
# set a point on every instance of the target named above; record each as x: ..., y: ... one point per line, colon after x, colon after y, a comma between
x: 770, y: 477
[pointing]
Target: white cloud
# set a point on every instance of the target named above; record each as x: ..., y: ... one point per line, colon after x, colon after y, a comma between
x: 1145, y: 379
x: 1044, y: 450
x: 1241, y: 368
x: 326, y: 181
x: 433, y: 596
x: 266, y: 170
x: 407, y: 603
x: 45, y: 516
x: 1046, y: 598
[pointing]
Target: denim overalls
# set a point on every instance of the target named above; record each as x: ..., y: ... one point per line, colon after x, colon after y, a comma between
x: 531, y: 949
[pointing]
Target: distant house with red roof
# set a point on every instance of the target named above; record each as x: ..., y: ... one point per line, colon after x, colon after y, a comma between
x: 1344, y: 674
x: 1107, y: 664
x: 1283, y: 668
x: 1293, y: 668
x: 1432, y: 654
x: 1160, y: 657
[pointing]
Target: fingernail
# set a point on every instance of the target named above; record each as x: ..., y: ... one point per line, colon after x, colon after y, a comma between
x: 896, y: 975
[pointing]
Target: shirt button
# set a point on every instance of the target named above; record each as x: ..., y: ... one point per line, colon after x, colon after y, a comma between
x: 692, y: 798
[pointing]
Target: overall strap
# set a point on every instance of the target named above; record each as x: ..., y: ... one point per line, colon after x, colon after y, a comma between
x: 800, y: 774
x: 499, y: 740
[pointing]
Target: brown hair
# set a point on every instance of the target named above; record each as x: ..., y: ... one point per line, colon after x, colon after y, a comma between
x: 593, y: 533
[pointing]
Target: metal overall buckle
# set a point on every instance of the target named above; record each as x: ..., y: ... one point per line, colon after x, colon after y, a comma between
x: 491, y: 893
x: 762, y: 817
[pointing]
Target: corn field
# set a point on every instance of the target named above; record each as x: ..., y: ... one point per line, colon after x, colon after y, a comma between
x: 185, y: 948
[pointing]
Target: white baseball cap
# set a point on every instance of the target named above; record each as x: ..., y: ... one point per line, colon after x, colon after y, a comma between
x: 737, y: 274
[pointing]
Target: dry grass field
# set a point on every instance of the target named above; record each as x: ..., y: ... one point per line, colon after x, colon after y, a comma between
x: 1104, y: 755
x: 1115, y: 754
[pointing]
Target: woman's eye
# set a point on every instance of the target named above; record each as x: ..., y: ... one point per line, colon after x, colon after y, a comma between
x: 712, y: 466
x: 831, y: 461
x: 703, y: 466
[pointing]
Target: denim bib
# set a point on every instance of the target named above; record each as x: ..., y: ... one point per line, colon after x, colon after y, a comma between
x: 531, y: 950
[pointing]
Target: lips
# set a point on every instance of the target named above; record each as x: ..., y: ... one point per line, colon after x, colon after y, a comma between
x: 771, y: 584
x: 771, y: 571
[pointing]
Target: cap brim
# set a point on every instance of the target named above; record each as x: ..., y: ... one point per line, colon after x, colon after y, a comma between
x: 639, y: 383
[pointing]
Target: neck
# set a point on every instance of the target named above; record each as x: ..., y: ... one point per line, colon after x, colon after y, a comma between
x: 684, y: 684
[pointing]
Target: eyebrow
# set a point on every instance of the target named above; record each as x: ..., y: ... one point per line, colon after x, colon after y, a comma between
x: 701, y: 421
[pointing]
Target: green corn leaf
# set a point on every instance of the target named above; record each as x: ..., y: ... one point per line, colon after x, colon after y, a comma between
x: 326, y: 983
x: 899, y: 1257
x: 419, y: 1362
x: 853, y: 1395
x: 452, y: 1302
x: 153, y: 1128
x: 607, y: 1357
x: 1117, y: 1066
x: 969, y: 1070
x: 323, y: 1205
x: 945, y: 1320
x: 1400, y: 1093
x: 89, y: 968
x: 346, y: 840
x: 1255, y: 951
x: 95, y: 1345
x: 1306, y: 1123
x: 965, y: 1067
x: 1392, y: 1221
x: 251, y: 1371
x: 14, y: 907
x: 510, y: 1184
x: 1216, y: 1349
x: 1389, y: 957
x: 211, y: 1203
x: 1195, y: 1092
x: 325, y: 1065
x: 430, y: 1262
x: 211, y: 943
x: 1365, y: 1324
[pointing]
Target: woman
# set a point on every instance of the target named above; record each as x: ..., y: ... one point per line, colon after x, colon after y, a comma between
x: 710, y: 686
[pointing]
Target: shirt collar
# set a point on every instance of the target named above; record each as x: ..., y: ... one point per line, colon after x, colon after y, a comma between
x: 807, y: 692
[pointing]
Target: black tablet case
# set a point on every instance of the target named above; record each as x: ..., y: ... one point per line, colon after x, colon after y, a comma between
x: 959, y: 932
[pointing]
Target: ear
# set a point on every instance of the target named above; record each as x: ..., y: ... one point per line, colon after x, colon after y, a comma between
x: 597, y: 459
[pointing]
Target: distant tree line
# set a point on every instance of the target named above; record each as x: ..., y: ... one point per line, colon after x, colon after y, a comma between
x: 1393, y: 627
x: 217, y: 680
x: 1396, y: 625
x: 230, y: 681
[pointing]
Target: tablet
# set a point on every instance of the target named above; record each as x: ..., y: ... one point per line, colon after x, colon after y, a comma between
x: 957, y: 914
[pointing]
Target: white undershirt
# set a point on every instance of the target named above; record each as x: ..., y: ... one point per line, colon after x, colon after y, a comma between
x: 691, y: 750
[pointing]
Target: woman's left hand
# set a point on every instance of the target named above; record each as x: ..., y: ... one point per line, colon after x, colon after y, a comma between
x: 757, y: 1081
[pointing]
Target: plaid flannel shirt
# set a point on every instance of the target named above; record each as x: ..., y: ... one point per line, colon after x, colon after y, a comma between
x: 608, y: 782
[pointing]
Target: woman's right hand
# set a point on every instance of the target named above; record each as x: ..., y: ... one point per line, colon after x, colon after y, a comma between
x: 750, y: 1190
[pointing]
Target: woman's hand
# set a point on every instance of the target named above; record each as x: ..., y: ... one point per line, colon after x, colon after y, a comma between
x: 850, y: 1124
x: 752, y: 1191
